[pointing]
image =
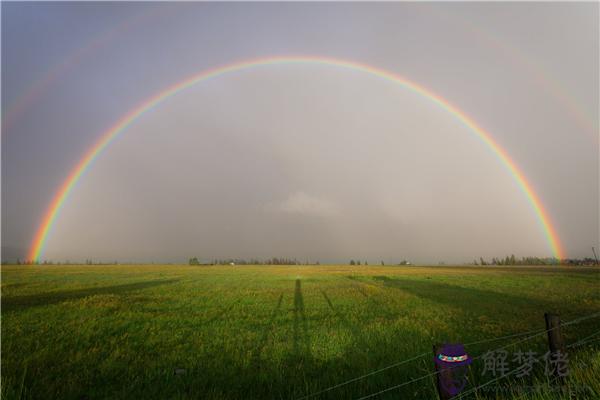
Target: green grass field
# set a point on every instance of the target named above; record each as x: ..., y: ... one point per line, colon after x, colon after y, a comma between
x: 255, y: 332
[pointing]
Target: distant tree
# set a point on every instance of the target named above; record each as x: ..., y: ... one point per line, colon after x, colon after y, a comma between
x: 352, y: 262
x: 194, y: 261
x: 382, y: 263
x: 474, y: 262
x: 366, y: 263
x: 482, y: 261
x: 358, y: 262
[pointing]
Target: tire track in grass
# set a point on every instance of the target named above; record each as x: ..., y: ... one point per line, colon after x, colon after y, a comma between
x: 21, y: 303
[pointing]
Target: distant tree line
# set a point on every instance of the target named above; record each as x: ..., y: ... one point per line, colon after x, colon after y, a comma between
x: 512, y: 260
x: 508, y: 260
x: 579, y: 261
x: 357, y: 262
x: 253, y: 261
x: 66, y: 262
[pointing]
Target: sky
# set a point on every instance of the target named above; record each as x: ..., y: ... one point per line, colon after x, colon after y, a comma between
x: 300, y: 160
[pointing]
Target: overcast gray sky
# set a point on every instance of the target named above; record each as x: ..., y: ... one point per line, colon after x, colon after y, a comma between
x: 307, y: 161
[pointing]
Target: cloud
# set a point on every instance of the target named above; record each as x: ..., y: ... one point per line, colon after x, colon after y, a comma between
x: 301, y: 203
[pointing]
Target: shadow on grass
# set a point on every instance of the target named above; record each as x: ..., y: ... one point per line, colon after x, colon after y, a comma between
x: 224, y: 373
x: 459, y: 296
x: 20, y: 303
x: 301, y: 339
x: 379, y: 307
x: 476, y: 300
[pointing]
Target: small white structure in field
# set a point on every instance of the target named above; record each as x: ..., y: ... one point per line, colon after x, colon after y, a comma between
x: 232, y: 263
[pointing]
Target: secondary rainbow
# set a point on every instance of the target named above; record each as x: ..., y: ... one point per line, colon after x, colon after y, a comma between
x: 37, y: 89
x: 86, y: 161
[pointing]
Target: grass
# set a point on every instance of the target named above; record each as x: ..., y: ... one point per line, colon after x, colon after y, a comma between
x: 255, y: 332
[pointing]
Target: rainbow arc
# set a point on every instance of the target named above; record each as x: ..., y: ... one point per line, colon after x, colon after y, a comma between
x: 62, y: 194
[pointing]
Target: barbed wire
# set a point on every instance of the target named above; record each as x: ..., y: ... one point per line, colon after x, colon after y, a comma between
x: 439, y: 371
x: 590, y: 341
x: 363, y: 376
x: 461, y: 395
x: 572, y: 345
x: 413, y: 359
x: 409, y: 360
x: 537, y: 332
x: 577, y: 320
x: 504, y: 337
x: 551, y: 382
x: 584, y: 340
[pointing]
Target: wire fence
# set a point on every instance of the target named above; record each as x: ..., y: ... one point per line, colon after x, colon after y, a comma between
x: 409, y: 360
x: 532, y: 334
x: 543, y: 332
x: 475, y: 389
x: 585, y: 340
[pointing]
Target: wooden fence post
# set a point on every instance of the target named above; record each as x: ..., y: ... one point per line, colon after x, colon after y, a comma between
x: 556, y: 344
x: 441, y: 375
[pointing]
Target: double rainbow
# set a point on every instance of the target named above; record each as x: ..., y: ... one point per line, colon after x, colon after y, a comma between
x: 62, y: 194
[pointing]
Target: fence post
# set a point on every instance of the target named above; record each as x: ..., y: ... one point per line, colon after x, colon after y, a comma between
x: 441, y: 375
x: 556, y: 344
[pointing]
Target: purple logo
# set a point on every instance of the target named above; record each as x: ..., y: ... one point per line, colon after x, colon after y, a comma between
x: 452, y: 361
